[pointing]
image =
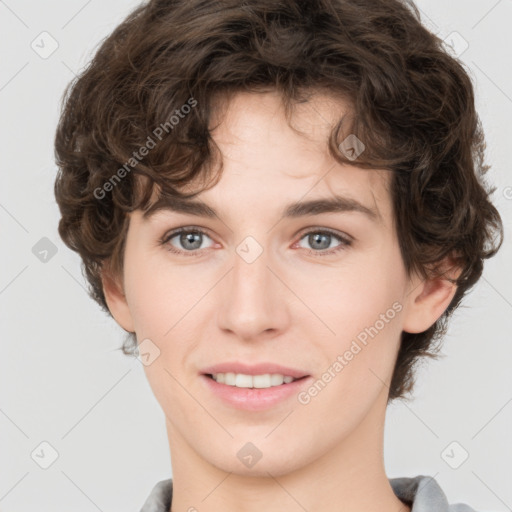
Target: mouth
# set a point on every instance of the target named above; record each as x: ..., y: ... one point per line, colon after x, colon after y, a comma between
x: 261, y: 381
x: 254, y: 387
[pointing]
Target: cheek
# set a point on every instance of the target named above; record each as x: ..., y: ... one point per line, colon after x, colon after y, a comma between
x: 160, y: 294
x: 361, y: 305
x: 148, y: 306
x: 358, y: 360
x: 354, y: 296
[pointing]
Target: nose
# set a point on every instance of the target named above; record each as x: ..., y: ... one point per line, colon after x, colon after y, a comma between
x: 254, y: 300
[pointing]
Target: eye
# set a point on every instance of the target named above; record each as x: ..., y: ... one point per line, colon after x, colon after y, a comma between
x: 189, y: 241
x: 321, y: 241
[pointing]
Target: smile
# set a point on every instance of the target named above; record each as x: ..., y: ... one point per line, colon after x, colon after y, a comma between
x: 242, y: 380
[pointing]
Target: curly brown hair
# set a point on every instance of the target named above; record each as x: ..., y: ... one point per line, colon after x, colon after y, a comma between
x: 410, y: 102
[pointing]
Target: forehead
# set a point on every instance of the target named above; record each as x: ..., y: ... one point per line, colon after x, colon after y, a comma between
x: 268, y: 162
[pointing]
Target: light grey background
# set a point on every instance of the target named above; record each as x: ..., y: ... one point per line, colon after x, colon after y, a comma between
x: 62, y: 379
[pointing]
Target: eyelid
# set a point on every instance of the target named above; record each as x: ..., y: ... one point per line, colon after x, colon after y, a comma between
x: 320, y: 229
x: 185, y: 229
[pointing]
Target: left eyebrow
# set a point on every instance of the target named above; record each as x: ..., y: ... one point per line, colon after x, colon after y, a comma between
x: 329, y: 205
x: 293, y: 210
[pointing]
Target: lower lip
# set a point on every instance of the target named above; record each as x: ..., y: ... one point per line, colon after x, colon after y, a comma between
x: 255, y: 399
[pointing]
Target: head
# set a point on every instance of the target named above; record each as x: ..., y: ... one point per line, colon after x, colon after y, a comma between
x: 250, y: 108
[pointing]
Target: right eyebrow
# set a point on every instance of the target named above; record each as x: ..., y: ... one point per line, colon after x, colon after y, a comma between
x: 179, y: 205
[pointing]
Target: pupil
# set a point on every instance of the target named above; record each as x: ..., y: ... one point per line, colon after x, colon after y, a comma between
x: 189, y: 238
x: 315, y: 238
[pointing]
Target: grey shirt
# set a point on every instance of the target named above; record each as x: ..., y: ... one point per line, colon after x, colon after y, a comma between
x: 421, y: 493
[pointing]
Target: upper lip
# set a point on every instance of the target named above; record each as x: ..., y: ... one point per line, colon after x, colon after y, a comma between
x: 254, y: 369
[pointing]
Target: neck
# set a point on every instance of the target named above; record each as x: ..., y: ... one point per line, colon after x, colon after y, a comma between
x: 350, y: 477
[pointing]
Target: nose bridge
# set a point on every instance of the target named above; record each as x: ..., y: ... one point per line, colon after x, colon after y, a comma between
x: 250, y: 272
x: 251, y: 303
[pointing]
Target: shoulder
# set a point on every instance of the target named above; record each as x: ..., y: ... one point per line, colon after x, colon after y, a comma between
x: 423, y: 494
x: 159, y: 500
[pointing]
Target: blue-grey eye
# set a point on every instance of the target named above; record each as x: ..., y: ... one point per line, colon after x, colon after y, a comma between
x: 191, y: 240
x: 188, y: 240
x: 321, y: 240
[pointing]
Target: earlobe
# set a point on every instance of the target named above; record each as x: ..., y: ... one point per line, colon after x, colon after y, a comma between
x: 428, y: 300
x: 116, y: 301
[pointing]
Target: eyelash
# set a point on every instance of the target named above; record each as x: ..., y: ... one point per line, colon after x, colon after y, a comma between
x: 345, y: 241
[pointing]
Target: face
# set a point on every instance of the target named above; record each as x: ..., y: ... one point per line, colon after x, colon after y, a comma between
x: 263, y: 291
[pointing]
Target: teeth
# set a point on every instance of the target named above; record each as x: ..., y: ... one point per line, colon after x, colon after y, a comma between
x: 241, y: 380
x: 262, y: 381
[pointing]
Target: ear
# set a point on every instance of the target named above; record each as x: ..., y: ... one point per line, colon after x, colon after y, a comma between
x: 116, y: 300
x: 429, y: 298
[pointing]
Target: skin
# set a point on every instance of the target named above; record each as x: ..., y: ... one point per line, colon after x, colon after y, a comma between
x: 290, y: 306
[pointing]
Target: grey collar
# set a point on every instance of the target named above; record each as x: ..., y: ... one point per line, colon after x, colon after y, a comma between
x: 421, y: 493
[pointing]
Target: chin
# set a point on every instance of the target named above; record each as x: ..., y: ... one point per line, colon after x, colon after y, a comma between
x: 245, y: 459
x: 262, y: 469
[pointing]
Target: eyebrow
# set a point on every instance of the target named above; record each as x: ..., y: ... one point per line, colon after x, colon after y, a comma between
x: 293, y: 210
